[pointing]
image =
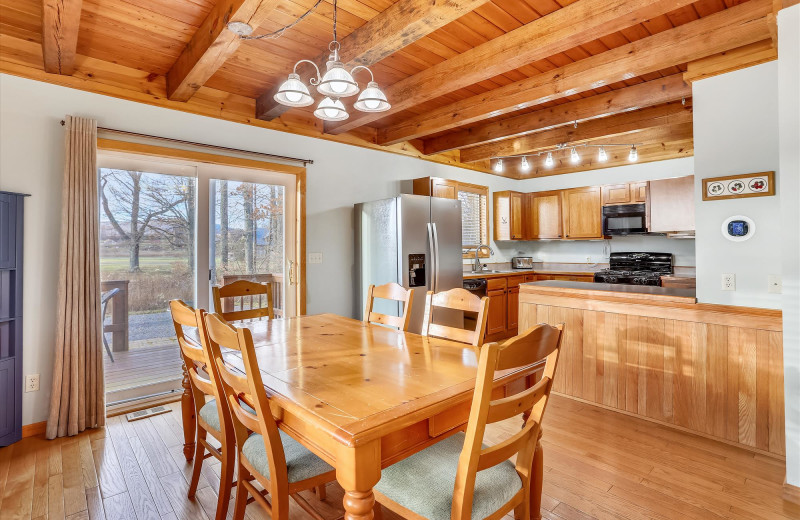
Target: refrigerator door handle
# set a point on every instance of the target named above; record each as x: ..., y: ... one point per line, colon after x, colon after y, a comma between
x: 432, y: 258
x: 436, y: 264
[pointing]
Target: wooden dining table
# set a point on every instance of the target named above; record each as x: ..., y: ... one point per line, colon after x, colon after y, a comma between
x: 364, y: 396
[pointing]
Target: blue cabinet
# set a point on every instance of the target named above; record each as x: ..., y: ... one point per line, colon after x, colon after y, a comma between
x: 11, y: 219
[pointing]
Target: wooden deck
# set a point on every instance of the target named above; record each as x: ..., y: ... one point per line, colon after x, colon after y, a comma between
x: 143, y: 371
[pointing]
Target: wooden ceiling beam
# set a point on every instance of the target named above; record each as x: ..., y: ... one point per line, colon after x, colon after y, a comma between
x: 60, y: 22
x: 398, y: 26
x: 660, y: 151
x: 651, y: 93
x: 740, y: 25
x: 212, y: 44
x: 735, y: 59
x: 559, y: 31
x: 616, y: 125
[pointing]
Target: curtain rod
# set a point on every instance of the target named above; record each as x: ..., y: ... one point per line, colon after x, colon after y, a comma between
x: 202, y: 145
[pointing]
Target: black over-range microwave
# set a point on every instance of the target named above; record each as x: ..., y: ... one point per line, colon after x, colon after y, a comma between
x: 625, y: 219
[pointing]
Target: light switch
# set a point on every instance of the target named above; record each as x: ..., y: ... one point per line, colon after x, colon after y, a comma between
x: 314, y: 258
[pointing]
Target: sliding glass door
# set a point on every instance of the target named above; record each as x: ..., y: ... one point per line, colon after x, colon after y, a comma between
x: 172, y: 229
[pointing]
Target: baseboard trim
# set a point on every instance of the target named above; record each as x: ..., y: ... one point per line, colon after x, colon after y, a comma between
x: 31, y: 430
x: 791, y: 493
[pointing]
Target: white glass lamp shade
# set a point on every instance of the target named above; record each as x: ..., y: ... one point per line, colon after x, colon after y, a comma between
x: 574, y: 157
x: 337, y: 82
x: 634, y: 155
x: 293, y: 93
x: 602, y: 156
x: 498, y: 166
x: 549, y: 162
x: 525, y: 166
x: 331, y: 110
x: 372, y: 99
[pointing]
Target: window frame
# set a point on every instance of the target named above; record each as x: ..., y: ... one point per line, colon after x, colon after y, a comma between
x: 485, y: 231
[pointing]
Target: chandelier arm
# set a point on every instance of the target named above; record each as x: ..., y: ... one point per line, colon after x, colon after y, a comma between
x: 359, y: 67
x: 313, y: 81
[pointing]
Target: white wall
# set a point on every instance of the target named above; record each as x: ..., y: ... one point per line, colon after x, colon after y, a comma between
x: 736, y: 132
x: 789, y: 124
x: 31, y: 158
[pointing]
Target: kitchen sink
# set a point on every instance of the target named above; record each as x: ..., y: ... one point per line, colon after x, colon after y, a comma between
x: 486, y: 271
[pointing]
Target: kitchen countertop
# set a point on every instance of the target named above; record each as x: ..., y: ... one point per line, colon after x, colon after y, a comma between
x: 542, y: 268
x: 610, y: 289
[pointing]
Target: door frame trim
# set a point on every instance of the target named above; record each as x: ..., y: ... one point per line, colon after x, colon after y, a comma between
x: 113, y: 145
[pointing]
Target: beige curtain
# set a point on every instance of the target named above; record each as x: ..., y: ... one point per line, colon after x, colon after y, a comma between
x: 78, y: 398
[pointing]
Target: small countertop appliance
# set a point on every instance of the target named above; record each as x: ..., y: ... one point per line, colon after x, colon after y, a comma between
x: 522, y: 262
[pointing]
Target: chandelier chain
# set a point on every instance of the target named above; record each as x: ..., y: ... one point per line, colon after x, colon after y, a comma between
x: 279, y: 32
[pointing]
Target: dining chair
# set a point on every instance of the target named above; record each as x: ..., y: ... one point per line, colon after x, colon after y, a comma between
x: 251, y: 297
x: 211, y: 417
x: 459, y: 300
x: 283, y: 466
x: 460, y: 478
x: 389, y: 291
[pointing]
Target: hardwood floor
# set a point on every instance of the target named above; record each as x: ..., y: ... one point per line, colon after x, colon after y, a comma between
x: 598, y: 465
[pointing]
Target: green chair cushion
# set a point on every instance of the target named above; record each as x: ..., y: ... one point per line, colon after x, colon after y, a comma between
x: 301, y: 464
x: 209, y: 413
x: 424, y: 482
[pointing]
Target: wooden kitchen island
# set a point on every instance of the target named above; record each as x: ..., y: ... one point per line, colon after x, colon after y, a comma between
x: 654, y: 352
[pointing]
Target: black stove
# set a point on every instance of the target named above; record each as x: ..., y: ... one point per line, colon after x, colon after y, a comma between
x: 636, y: 268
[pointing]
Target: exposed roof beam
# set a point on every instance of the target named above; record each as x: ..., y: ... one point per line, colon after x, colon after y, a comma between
x: 740, y: 25
x: 401, y: 24
x: 559, y: 31
x: 656, y: 92
x: 672, y: 146
x: 213, y: 44
x: 616, y: 125
x: 735, y: 59
x: 60, y: 21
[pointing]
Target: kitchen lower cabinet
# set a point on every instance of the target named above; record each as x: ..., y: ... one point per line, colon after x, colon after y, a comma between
x: 496, y: 321
x: 503, y: 292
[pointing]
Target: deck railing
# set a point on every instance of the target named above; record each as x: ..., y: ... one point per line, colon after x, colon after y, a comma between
x: 119, y: 314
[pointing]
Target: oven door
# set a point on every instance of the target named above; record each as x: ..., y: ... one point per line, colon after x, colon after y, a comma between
x: 625, y: 219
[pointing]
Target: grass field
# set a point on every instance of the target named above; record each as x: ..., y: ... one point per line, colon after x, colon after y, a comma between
x: 121, y: 263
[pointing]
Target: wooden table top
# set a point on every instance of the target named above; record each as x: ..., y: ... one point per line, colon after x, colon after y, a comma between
x: 352, y: 378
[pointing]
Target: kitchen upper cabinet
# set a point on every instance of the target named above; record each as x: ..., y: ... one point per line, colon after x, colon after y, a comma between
x: 436, y: 187
x: 544, y: 215
x: 616, y: 194
x: 638, y: 192
x: 671, y: 205
x: 582, y: 209
x: 629, y: 193
x: 508, y: 215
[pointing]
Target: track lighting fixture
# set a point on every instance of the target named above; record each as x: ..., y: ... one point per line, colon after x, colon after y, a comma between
x: 525, y: 166
x: 634, y: 155
x: 602, y: 156
x: 498, y: 166
x: 574, y: 157
x: 549, y: 162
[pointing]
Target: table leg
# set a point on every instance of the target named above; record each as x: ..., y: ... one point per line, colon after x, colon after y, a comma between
x: 358, y: 469
x: 537, y: 475
x: 187, y: 415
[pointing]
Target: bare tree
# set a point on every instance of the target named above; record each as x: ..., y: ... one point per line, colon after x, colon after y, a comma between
x: 122, y: 198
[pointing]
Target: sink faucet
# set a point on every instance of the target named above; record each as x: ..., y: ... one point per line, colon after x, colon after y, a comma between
x: 477, y: 266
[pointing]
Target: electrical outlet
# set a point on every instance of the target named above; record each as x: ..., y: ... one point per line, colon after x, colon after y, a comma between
x: 32, y: 383
x: 728, y: 282
x: 774, y: 283
x: 314, y: 258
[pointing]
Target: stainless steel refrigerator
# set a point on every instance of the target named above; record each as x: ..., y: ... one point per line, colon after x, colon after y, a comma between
x: 411, y: 240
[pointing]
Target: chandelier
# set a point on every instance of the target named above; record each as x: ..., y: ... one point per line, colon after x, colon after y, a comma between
x: 335, y: 84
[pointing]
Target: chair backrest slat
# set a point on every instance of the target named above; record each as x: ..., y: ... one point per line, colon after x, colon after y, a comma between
x: 250, y: 388
x: 389, y: 291
x: 196, y: 357
x: 459, y: 300
x: 539, y: 344
x: 242, y: 291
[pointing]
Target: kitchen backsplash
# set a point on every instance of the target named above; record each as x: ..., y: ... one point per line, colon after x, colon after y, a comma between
x: 594, y: 251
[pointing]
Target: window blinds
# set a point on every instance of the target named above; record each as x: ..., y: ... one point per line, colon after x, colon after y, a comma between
x: 473, y: 222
